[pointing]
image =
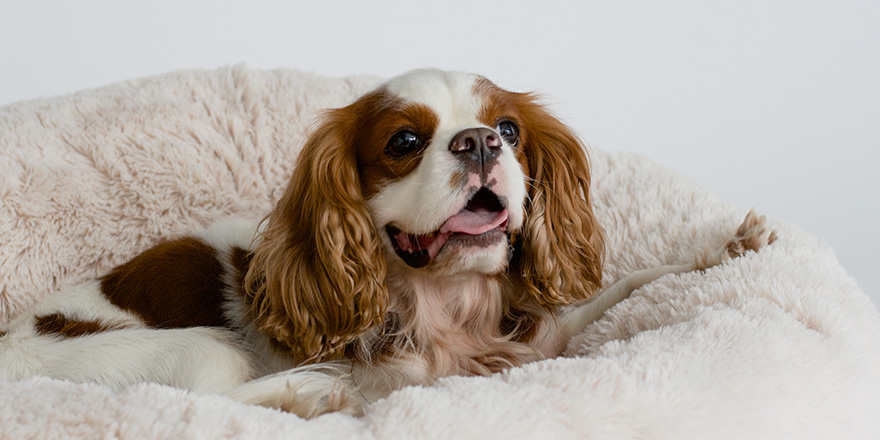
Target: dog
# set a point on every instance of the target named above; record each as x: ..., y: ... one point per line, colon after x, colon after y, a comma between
x: 439, y: 225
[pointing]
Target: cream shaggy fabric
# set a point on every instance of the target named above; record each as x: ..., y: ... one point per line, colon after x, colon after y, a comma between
x: 778, y: 344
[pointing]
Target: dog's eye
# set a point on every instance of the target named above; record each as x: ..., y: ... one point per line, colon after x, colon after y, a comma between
x: 403, y: 143
x: 509, y: 131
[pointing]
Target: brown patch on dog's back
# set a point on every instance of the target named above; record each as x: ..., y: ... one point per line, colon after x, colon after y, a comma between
x: 59, y: 325
x: 176, y: 284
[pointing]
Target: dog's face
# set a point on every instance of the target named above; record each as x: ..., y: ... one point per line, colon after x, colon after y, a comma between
x: 433, y: 173
x: 443, y: 172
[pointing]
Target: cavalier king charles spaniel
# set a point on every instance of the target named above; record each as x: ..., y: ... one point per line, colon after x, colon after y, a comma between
x: 439, y: 225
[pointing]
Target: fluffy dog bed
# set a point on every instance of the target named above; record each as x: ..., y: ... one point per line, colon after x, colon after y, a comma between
x: 778, y: 344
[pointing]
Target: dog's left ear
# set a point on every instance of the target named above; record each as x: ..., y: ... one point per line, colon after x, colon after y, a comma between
x: 560, y: 259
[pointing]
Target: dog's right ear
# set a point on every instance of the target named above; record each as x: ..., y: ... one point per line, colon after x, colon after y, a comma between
x: 317, y: 277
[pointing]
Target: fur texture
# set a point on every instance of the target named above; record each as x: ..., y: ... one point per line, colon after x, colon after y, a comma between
x: 405, y: 246
x: 792, y: 301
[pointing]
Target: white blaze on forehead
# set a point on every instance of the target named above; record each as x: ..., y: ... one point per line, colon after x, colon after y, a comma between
x: 423, y: 200
x: 449, y: 94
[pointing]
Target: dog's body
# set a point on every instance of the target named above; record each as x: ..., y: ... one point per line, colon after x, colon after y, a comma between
x: 437, y: 226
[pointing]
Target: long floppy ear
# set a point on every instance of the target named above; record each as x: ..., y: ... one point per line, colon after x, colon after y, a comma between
x: 562, y: 244
x: 317, y: 277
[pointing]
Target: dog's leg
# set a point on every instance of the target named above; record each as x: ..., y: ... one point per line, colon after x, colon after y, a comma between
x: 751, y: 235
x: 307, y: 391
x: 201, y: 359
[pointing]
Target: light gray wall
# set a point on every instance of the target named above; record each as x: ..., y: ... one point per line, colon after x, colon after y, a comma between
x: 770, y: 104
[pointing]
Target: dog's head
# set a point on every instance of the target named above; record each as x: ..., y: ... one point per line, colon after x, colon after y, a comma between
x: 435, y: 174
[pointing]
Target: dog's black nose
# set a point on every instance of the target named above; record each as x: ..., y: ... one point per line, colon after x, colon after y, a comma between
x: 479, y: 147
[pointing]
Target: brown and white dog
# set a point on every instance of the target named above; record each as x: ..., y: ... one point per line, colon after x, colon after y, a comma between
x: 434, y: 227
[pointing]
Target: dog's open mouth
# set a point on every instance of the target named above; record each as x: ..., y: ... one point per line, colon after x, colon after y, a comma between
x: 477, y: 223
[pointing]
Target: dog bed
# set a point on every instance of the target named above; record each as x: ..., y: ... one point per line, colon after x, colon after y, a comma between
x: 781, y: 343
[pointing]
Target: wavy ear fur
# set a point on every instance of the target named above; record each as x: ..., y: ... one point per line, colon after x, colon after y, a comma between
x: 562, y: 243
x: 317, y: 277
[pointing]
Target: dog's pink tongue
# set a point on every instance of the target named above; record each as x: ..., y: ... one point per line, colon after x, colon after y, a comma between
x: 470, y: 222
x: 474, y: 222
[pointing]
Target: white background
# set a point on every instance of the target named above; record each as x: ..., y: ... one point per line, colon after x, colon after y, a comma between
x: 770, y: 104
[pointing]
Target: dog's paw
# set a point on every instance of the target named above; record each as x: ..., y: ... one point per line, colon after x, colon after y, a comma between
x: 309, y: 405
x: 751, y: 235
x: 305, y: 391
